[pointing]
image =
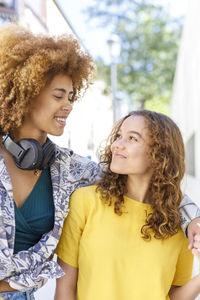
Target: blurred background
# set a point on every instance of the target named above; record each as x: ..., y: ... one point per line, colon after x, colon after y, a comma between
x: 147, y: 55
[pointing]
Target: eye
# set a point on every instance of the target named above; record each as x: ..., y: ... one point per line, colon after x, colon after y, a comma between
x: 57, y: 97
x: 117, y: 136
x: 71, y: 100
x: 132, y: 138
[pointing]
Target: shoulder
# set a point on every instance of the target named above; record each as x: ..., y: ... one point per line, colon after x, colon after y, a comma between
x: 80, y: 167
x: 65, y: 153
x: 179, y: 241
x: 84, y: 197
x: 62, y: 153
x: 85, y: 191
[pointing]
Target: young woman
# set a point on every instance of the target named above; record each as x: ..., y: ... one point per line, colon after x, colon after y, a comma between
x: 40, y: 78
x: 122, y: 239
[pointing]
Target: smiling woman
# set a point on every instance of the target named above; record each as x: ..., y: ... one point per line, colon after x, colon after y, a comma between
x: 129, y: 150
x: 40, y: 78
x: 50, y: 108
x: 130, y: 220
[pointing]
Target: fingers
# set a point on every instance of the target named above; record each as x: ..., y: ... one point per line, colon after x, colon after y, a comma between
x: 197, y: 238
x: 196, y: 242
x: 193, y: 229
x: 191, y: 239
x: 196, y: 246
x: 196, y: 252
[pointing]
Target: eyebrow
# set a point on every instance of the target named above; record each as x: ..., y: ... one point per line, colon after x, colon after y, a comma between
x: 134, y: 132
x: 63, y: 90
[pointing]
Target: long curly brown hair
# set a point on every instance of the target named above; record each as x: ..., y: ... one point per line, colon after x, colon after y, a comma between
x: 29, y: 61
x: 167, y: 155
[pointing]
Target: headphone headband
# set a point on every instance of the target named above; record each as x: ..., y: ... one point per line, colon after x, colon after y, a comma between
x: 16, y: 150
x: 28, y: 154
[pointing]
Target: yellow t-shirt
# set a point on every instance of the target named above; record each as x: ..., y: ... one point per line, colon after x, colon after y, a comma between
x: 114, y: 262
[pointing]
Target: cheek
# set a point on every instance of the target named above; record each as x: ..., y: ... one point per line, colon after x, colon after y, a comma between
x: 148, y: 157
x: 38, y: 114
x: 112, y: 147
x: 140, y: 156
x: 147, y: 161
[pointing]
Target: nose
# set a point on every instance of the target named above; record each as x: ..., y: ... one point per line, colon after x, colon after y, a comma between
x: 67, y: 107
x: 119, y: 144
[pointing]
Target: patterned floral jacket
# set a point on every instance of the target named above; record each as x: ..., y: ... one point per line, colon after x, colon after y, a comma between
x: 31, y: 268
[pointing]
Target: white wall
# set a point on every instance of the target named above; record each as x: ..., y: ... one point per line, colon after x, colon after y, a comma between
x: 186, y: 97
x: 186, y: 94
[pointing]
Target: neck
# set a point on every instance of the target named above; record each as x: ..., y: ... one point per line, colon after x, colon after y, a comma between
x: 25, y: 133
x: 137, y: 188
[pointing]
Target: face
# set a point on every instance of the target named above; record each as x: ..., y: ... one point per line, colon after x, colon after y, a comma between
x: 51, y: 108
x: 129, y: 150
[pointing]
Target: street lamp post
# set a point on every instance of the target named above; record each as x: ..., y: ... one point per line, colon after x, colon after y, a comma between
x: 114, y: 49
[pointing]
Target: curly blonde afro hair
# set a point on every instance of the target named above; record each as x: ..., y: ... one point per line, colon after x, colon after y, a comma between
x: 167, y: 155
x: 28, y: 62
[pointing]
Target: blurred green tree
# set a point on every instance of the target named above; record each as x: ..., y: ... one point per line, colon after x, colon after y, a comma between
x: 149, y: 44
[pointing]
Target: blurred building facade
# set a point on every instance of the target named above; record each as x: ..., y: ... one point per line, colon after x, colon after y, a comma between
x: 38, y: 15
x: 91, y: 119
x: 186, y: 98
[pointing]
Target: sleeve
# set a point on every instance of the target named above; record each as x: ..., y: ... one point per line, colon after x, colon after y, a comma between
x: 68, y: 246
x: 83, y: 171
x: 91, y: 174
x: 184, y: 265
x: 188, y: 211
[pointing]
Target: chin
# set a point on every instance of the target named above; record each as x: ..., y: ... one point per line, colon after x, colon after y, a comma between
x: 116, y: 169
x: 56, y: 133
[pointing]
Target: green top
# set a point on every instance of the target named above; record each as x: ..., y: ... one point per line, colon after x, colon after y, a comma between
x: 36, y: 215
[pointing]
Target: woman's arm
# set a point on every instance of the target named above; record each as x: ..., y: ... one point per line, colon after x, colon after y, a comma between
x: 68, y: 247
x: 189, y: 291
x: 190, y: 216
x: 66, y: 285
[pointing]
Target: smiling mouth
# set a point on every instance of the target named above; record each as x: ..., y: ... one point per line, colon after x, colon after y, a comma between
x: 61, y: 121
x: 118, y: 155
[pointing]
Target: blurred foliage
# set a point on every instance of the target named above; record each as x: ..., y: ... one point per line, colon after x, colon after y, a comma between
x: 103, y: 72
x: 149, y: 44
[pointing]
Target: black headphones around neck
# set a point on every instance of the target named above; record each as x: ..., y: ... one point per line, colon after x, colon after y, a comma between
x: 28, y: 154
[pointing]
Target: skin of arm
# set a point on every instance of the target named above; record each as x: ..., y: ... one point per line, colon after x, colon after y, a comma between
x: 66, y: 285
x: 192, y: 230
x: 189, y: 291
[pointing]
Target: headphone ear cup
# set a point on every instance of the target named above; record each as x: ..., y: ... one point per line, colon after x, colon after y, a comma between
x: 33, y: 157
x: 49, y: 152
